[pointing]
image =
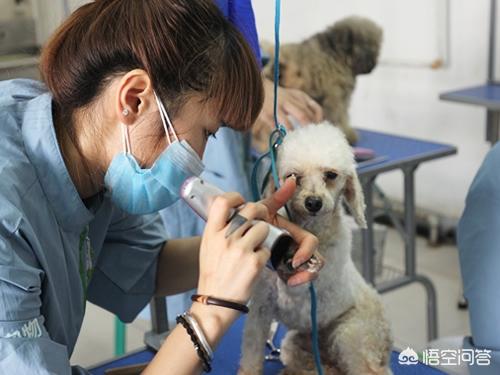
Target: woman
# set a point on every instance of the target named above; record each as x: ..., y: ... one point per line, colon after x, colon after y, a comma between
x: 78, y: 216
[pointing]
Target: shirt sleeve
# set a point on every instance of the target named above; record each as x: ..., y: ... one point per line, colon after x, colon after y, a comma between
x: 25, y: 346
x: 124, y: 278
x: 240, y: 13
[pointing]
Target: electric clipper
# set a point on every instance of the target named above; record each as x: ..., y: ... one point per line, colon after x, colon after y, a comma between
x: 199, y: 195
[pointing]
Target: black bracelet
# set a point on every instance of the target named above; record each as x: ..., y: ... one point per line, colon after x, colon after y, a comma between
x: 205, y: 361
x: 209, y: 300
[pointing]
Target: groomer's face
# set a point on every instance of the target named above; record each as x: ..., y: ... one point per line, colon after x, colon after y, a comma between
x: 194, y: 123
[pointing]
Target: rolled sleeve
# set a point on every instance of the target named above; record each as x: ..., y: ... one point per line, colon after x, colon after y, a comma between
x: 240, y: 13
x: 124, y: 278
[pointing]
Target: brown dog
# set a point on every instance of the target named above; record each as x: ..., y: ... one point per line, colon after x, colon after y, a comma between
x: 325, y: 66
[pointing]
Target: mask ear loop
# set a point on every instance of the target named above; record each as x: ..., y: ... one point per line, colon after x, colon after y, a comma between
x: 165, y: 119
x: 126, y: 139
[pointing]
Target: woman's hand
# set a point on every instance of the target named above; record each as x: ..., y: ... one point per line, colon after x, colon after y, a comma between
x: 291, y: 102
x: 229, y: 265
x: 308, y: 243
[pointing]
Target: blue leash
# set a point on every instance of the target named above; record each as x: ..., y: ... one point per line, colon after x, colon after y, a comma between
x: 275, y: 140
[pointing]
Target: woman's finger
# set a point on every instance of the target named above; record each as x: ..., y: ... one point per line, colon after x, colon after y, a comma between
x: 283, y: 117
x: 220, y: 210
x: 262, y: 254
x: 298, y: 108
x: 280, y: 197
x: 255, y: 236
x: 248, y: 212
x: 316, y: 108
x: 302, y: 277
x: 308, y: 243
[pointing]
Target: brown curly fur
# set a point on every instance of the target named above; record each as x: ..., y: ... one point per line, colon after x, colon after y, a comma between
x: 325, y: 66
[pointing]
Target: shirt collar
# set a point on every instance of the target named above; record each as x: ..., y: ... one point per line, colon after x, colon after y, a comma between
x: 44, y: 153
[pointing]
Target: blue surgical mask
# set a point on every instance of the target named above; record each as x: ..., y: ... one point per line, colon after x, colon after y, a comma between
x: 142, y: 191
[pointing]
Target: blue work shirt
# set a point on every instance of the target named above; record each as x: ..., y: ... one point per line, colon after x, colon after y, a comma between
x: 57, y: 251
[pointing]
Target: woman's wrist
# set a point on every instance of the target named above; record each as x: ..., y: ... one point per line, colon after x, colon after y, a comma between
x: 213, y: 320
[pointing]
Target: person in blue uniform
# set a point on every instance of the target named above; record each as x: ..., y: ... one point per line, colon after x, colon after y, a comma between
x: 227, y: 158
x: 131, y: 92
x: 479, y: 251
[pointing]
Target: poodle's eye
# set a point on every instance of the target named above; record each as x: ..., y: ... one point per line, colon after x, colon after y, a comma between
x: 330, y: 175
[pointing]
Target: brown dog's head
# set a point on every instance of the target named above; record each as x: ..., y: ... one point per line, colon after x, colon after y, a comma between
x: 354, y: 40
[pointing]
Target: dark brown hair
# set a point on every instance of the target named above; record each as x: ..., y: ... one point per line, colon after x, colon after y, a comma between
x: 186, y: 47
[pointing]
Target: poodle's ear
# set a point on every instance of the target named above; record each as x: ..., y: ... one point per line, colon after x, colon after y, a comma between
x: 354, y: 197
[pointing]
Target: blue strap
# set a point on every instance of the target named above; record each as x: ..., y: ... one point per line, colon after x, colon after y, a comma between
x: 277, y: 22
x: 314, y: 328
x: 275, y: 140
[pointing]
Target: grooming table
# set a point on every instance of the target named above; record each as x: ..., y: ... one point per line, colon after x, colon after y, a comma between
x: 405, y: 154
x: 487, y: 96
x: 227, y: 358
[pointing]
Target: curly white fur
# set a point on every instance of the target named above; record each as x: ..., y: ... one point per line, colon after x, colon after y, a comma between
x: 354, y: 334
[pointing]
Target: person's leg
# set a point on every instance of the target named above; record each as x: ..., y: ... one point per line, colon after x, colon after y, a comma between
x: 479, y: 250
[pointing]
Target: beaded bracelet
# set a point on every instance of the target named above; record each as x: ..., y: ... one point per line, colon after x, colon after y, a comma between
x: 202, y: 354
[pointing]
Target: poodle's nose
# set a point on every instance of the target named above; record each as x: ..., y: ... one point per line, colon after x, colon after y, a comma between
x: 313, y: 204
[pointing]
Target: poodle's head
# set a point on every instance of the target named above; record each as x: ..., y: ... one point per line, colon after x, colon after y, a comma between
x: 354, y: 40
x: 323, y: 163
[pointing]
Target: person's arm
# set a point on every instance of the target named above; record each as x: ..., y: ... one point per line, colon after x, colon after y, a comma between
x: 229, y: 267
x: 177, y: 354
x: 291, y: 102
x: 178, y: 266
x: 178, y: 262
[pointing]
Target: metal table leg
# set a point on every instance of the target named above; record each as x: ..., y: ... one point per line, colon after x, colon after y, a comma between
x: 368, y: 237
x: 409, y: 223
x: 432, y: 318
x: 159, y: 322
x: 409, y: 237
x: 492, y: 126
x: 410, y: 252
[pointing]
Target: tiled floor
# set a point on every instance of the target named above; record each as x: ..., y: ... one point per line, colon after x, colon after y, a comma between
x: 405, y: 307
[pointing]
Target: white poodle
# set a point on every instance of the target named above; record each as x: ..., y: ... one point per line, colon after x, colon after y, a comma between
x: 354, y: 335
